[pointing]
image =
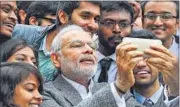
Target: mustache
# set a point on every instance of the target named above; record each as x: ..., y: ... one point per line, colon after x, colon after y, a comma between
x: 116, y: 38
x: 86, y: 57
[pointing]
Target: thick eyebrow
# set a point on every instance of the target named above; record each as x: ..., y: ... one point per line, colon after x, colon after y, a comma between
x: 16, y: 9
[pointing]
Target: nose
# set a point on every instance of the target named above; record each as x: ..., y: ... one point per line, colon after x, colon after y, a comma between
x: 141, y: 64
x: 158, y: 21
x: 29, y: 60
x: 38, y: 97
x: 92, y: 26
x: 116, y: 29
x: 13, y: 16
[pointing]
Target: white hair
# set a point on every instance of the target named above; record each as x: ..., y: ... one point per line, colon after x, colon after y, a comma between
x: 57, y: 41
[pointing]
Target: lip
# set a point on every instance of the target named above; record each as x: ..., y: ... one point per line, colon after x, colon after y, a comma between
x: 87, y: 61
x: 34, y: 105
x: 9, y: 25
x: 142, y: 73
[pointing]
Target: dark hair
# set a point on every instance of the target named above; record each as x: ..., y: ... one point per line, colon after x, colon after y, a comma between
x: 109, y: 6
x: 11, y: 74
x: 11, y: 46
x: 23, y: 5
x: 145, y: 34
x: 143, y: 3
x: 40, y: 9
x: 69, y: 6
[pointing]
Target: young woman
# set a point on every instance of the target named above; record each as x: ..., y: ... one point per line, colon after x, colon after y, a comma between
x: 21, y: 85
x: 17, y: 50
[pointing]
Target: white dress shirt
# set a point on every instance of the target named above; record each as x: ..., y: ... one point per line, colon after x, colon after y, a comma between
x: 120, y: 101
x: 112, y: 69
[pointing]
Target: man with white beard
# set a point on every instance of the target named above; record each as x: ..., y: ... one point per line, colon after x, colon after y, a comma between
x: 73, y: 54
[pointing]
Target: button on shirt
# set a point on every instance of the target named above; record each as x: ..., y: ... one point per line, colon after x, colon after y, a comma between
x: 112, y: 70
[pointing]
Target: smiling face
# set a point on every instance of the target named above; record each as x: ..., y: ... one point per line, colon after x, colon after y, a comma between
x: 145, y: 74
x: 26, y: 93
x: 77, y: 56
x: 23, y: 55
x: 163, y: 29
x: 87, y: 16
x: 8, y: 11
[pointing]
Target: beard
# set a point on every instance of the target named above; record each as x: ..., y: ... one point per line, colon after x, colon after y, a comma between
x: 74, y: 70
x: 110, y: 43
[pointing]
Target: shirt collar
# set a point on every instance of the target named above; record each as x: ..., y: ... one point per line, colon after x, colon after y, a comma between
x: 80, y: 88
x: 101, y: 56
x: 43, y: 43
x: 154, y: 98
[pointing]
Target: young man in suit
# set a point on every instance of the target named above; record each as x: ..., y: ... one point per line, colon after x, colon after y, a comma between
x: 147, y: 89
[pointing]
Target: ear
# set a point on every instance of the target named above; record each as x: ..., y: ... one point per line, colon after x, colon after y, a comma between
x: 62, y: 17
x: 22, y: 15
x: 33, y: 21
x: 55, y: 58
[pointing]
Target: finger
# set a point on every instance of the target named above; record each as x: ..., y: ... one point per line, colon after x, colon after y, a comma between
x: 155, y: 53
x: 133, y: 62
x: 161, y: 49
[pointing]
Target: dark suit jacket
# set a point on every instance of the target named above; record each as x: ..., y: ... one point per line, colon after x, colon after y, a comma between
x: 59, y: 93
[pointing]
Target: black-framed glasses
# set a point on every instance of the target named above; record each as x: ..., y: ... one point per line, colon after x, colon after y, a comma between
x: 80, y: 44
x: 112, y: 23
x: 163, y: 16
x: 49, y: 19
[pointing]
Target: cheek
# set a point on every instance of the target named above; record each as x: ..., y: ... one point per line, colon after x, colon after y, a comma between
x: 126, y: 32
x: 22, y: 97
x: 106, y: 32
x: 146, y: 23
x: 4, y: 16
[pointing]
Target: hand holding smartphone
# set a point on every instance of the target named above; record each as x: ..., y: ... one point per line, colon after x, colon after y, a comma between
x: 142, y: 43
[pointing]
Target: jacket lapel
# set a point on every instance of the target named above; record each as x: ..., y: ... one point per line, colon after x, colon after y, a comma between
x: 70, y: 93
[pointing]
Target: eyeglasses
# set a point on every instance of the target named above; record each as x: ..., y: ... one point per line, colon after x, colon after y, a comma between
x: 164, y: 16
x: 80, y: 44
x: 111, y: 24
x: 49, y: 19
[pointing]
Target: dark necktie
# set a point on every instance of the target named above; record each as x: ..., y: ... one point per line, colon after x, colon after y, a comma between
x: 105, y: 64
x: 148, y: 103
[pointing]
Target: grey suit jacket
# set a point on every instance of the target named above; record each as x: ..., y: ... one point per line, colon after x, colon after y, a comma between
x: 59, y: 93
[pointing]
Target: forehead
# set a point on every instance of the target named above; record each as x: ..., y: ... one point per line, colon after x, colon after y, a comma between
x: 9, y: 3
x: 89, y: 7
x: 25, y: 50
x: 160, y: 7
x: 76, y: 35
x: 31, y: 79
x: 116, y: 15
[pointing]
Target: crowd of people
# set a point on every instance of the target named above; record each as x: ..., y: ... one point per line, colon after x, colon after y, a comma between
x: 72, y: 53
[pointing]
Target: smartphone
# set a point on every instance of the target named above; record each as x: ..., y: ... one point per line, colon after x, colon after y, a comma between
x: 142, y: 43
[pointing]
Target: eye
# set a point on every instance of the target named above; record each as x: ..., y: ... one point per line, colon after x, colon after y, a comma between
x: 6, y: 9
x: 123, y: 24
x: 166, y: 16
x: 93, y: 45
x: 76, y: 44
x: 151, y: 16
x: 29, y: 88
x: 97, y: 19
x: 20, y: 59
x: 109, y: 23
